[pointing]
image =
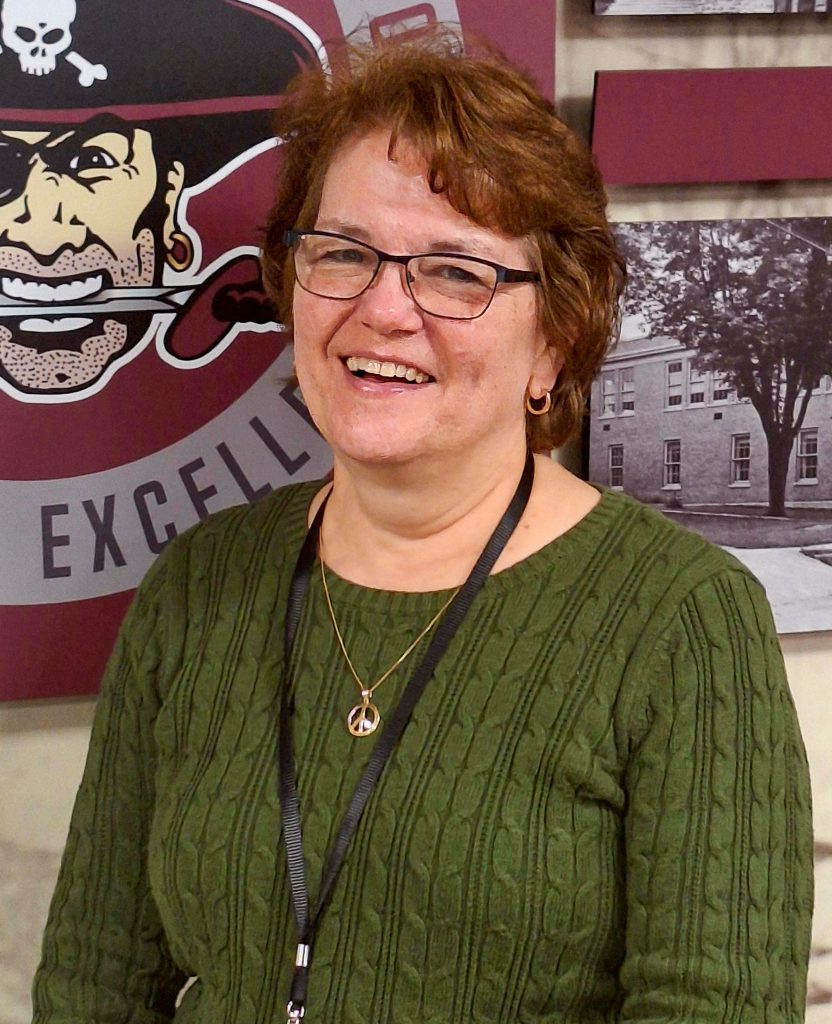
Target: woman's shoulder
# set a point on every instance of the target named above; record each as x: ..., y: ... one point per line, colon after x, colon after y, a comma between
x: 596, y: 525
x: 282, y: 510
x: 664, y: 568
x: 636, y: 526
x: 268, y: 530
x: 623, y: 554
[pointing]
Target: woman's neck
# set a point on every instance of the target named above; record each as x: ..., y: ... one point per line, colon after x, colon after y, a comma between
x: 423, y: 528
x: 415, y: 527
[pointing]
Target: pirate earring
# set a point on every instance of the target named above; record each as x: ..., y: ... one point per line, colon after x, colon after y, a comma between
x: 180, y: 255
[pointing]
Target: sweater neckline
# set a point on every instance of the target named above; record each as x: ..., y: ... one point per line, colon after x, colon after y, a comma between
x: 561, y: 560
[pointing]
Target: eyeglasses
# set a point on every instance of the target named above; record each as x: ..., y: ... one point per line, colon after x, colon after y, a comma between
x: 443, y: 284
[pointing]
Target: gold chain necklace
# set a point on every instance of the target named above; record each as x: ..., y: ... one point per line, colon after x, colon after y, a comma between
x: 365, y: 717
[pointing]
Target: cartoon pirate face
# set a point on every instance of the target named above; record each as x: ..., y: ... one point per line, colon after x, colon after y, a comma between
x: 94, y: 158
x: 82, y: 212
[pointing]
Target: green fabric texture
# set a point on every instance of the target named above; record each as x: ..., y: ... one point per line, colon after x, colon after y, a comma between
x: 600, y: 810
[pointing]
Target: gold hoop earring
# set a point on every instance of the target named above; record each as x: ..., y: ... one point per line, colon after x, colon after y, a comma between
x: 175, y: 262
x: 542, y: 409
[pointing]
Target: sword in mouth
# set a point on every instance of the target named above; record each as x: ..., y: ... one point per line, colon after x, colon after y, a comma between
x: 110, y: 300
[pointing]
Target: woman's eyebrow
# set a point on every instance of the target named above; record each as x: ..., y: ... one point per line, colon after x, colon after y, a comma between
x: 468, y: 246
x: 462, y: 245
x: 343, y: 227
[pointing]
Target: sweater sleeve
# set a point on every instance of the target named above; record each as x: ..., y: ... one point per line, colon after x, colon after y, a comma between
x: 105, y: 959
x: 718, y: 828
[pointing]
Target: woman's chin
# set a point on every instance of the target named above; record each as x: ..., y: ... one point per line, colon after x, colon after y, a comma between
x: 387, y: 451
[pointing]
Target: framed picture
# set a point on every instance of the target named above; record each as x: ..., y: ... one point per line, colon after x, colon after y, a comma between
x: 712, y: 6
x: 715, y: 405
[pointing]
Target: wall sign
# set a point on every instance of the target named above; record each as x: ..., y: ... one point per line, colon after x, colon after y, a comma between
x: 143, y: 382
x: 729, y: 124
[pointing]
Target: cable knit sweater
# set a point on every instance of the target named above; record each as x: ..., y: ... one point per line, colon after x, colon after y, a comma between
x: 599, y: 812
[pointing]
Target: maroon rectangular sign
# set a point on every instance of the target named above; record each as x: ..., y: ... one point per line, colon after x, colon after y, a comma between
x: 737, y: 124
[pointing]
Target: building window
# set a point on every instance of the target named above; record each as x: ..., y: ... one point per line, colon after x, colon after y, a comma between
x: 608, y: 393
x: 807, y: 456
x: 616, y: 464
x: 722, y: 391
x: 673, y: 463
x: 627, y: 383
x: 618, y: 392
x: 740, y: 458
x: 673, y: 395
x: 696, y: 386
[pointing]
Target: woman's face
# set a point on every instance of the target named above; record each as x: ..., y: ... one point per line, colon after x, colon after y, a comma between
x: 479, y: 370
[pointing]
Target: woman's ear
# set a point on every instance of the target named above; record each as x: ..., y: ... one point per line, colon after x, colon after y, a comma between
x: 545, y: 371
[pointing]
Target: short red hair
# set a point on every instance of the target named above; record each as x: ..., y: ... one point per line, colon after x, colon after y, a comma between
x: 496, y: 148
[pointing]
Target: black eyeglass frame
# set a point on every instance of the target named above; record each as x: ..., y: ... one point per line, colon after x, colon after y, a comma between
x: 505, y: 275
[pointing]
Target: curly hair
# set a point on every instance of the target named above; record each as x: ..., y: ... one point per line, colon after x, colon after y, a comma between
x: 495, y: 148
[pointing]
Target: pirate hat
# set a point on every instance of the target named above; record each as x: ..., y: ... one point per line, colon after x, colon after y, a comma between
x: 201, y: 75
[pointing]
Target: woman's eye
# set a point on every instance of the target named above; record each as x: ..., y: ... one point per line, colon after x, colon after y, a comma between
x: 92, y: 159
x: 351, y: 256
x: 348, y: 255
x: 456, y: 273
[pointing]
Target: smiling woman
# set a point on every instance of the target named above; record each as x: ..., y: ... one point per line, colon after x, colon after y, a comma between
x: 536, y: 755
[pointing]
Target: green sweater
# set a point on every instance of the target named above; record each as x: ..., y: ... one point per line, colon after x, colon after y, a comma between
x: 599, y: 812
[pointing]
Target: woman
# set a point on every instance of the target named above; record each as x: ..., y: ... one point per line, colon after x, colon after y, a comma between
x: 565, y: 786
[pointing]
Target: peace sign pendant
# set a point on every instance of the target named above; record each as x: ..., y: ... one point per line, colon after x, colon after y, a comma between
x: 364, y: 718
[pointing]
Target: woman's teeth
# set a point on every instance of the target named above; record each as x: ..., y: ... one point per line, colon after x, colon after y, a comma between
x: 355, y: 364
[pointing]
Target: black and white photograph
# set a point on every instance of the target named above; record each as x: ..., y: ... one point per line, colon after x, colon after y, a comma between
x: 712, y: 6
x: 715, y: 404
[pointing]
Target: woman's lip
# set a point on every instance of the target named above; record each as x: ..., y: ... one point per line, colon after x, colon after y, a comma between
x: 388, y: 386
x: 397, y: 361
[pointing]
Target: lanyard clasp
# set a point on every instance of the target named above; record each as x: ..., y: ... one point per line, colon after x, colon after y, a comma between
x: 296, y: 1005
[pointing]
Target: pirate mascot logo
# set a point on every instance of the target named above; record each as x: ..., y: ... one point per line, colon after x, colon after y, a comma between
x: 107, y: 128
x: 142, y: 378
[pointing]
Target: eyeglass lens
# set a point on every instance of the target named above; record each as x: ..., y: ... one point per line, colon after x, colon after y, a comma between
x: 451, y: 286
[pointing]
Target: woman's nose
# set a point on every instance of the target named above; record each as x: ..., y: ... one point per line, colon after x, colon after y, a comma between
x: 387, y: 305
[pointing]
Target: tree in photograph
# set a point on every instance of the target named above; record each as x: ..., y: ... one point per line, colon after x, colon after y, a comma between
x: 753, y: 300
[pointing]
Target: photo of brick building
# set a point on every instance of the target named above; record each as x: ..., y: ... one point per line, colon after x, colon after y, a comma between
x: 671, y: 434
x: 678, y: 424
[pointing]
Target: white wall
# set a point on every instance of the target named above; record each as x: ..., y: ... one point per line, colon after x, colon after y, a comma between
x: 42, y: 745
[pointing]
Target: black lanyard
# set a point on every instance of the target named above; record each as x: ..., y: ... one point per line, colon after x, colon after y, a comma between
x: 307, y: 923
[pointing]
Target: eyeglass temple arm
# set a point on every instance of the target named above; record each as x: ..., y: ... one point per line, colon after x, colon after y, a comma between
x: 516, y: 276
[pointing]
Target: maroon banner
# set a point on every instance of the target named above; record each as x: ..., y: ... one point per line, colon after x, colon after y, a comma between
x: 143, y: 381
x: 673, y: 127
